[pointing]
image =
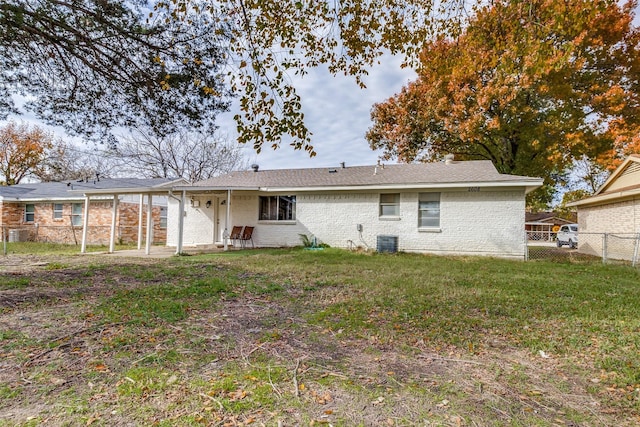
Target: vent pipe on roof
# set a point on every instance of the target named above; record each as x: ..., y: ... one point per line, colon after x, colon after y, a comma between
x: 342, y: 165
x: 448, y: 159
x: 255, y: 167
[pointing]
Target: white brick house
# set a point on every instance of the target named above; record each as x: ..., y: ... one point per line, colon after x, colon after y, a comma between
x: 443, y: 208
x: 613, y: 209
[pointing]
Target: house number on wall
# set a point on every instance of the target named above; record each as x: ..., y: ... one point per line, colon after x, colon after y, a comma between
x: 474, y: 189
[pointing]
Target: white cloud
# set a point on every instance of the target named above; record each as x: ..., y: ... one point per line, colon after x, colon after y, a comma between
x: 337, y: 112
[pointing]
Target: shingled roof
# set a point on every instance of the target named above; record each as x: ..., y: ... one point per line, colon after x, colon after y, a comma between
x: 409, y: 175
x: 69, y: 190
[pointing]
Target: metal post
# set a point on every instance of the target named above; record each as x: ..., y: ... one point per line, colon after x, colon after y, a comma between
x: 114, y: 217
x: 634, y: 261
x: 604, y: 248
x: 85, y: 225
x: 140, y: 205
x: 147, y: 248
x: 181, y: 223
x: 226, y: 222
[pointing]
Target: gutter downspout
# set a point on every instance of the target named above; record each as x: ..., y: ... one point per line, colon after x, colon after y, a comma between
x: 85, y: 222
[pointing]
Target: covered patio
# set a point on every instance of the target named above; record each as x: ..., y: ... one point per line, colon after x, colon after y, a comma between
x: 145, y: 197
x: 215, y: 200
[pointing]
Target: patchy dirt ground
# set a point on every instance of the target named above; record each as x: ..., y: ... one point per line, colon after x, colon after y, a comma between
x: 250, y: 359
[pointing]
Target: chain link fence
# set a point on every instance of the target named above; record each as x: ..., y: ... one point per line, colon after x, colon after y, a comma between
x: 621, y: 248
x: 96, y: 235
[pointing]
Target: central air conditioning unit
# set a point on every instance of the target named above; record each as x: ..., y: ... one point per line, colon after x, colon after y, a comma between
x: 388, y: 244
x: 19, y: 235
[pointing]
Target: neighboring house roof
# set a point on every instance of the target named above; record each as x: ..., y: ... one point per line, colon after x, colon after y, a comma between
x: 74, y: 190
x: 414, y: 175
x: 547, y: 218
x: 623, y: 183
x: 131, y: 186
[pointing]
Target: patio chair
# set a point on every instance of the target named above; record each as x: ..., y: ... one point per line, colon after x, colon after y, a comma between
x: 247, y: 234
x: 236, y: 234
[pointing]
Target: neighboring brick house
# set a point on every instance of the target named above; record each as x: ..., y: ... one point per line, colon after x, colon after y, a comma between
x: 543, y: 226
x: 444, y: 208
x: 613, y: 211
x: 54, y: 212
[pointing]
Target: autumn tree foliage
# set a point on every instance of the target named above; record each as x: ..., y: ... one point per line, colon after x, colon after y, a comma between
x: 99, y: 64
x: 531, y: 85
x: 22, y: 149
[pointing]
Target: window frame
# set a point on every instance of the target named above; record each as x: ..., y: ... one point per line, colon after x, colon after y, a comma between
x: 76, y: 217
x: 427, y: 211
x: 58, y: 213
x: 29, y: 212
x: 384, y: 205
x: 283, y: 210
x: 163, y: 217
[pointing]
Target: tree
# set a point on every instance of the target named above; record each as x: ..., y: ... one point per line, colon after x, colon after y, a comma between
x: 530, y: 85
x: 570, y: 196
x: 105, y: 63
x: 189, y: 155
x: 22, y: 149
x: 92, y: 65
x: 64, y: 161
x: 587, y: 175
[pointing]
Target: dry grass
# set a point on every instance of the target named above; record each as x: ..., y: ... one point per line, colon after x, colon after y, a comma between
x: 297, y: 338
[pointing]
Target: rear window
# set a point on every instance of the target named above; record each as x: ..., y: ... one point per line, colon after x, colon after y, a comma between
x: 574, y: 228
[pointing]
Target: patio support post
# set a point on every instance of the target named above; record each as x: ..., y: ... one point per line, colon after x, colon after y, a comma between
x: 114, y: 216
x: 147, y: 247
x: 85, y: 222
x: 181, y: 222
x: 141, y: 204
x: 225, y: 235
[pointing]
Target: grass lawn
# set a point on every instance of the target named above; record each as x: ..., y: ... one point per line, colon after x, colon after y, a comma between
x: 295, y: 337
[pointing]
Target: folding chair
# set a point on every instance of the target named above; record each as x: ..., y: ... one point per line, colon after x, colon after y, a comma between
x: 236, y: 234
x: 247, y: 234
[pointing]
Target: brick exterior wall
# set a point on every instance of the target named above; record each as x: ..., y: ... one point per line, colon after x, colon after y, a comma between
x: 617, y: 217
x: 49, y: 229
x: 621, y: 217
x: 10, y: 213
x: 486, y: 222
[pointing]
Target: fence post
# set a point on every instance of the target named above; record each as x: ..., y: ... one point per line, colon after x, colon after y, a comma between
x: 604, y: 247
x: 526, y: 246
x: 635, y: 251
x: 4, y: 240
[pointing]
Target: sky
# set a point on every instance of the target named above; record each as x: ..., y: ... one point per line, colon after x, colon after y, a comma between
x: 337, y: 112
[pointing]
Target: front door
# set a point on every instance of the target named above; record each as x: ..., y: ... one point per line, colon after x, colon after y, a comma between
x: 220, y: 220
